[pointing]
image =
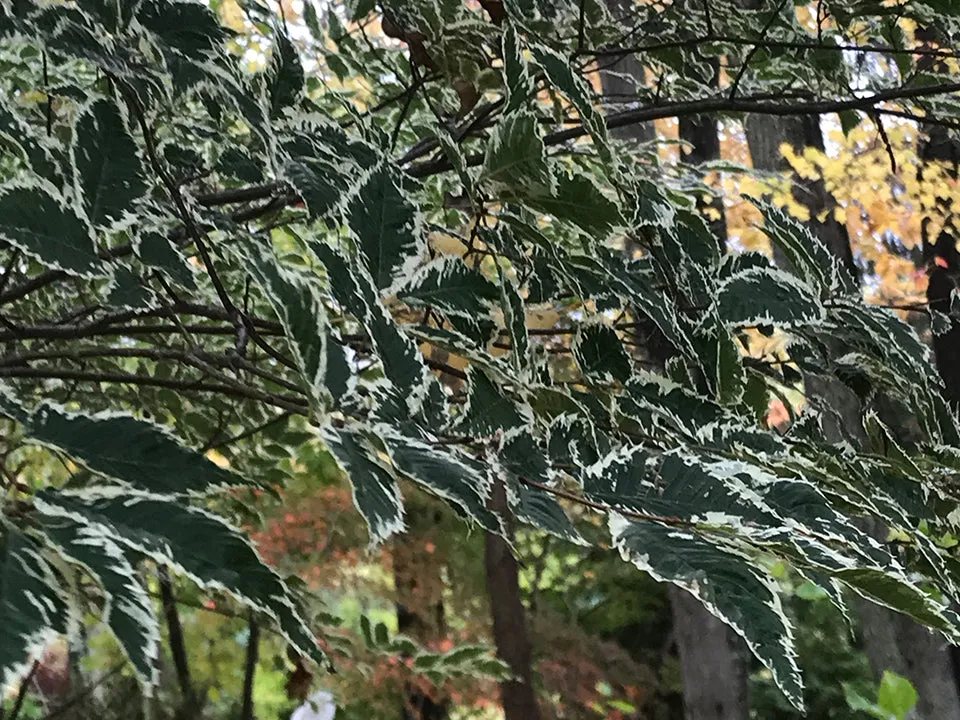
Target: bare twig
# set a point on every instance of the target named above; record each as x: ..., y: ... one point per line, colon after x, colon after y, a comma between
x: 633, y: 515
x: 293, y: 404
x: 22, y: 692
x: 756, y: 48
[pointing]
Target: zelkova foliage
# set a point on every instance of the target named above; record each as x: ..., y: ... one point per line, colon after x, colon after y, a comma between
x: 191, y: 249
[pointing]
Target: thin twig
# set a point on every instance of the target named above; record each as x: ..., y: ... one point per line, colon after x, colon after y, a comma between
x: 22, y: 692
x: 250, y: 432
x: 633, y: 515
x: 753, y: 50
x: 882, y: 132
x: 581, y: 25
x: 293, y: 404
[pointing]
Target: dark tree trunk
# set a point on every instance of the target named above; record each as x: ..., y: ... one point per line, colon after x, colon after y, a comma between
x: 712, y: 659
x: 510, y: 633
x: 943, y: 266
x: 419, y: 587
x: 713, y: 662
x: 620, y: 81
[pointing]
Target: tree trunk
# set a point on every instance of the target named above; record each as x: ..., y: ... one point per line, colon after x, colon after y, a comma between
x: 620, y: 80
x: 712, y: 659
x: 943, y: 267
x: 419, y: 587
x: 713, y: 662
x: 890, y: 640
x: 510, y: 633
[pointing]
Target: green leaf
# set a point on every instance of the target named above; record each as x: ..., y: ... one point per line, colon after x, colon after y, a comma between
x: 578, y: 200
x: 32, y: 611
x: 386, y: 225
x: 15, y: 131
x: 296, y: 302
x: 354, y: 291
x: 488, y: 409
x: 543, y: 511
x: 45, y: 227
x: 561, y: 75
x: 653, y: 208
x: 899, y: 594
x: 286, y: 77
x: 445, y: 473
x: 128, y: 610
x: 519, y: 84
x: 187, y: 28
x: 764, y: 296
x: 516, y: 158
x: 721, y: 360
x: 143, y: 455
x: 127, y: 289
x: 896, y: 695
x: 726, y: 582
x: 109, y: 173
x: 197, y: 543
x: 515, y: 319
x: 813, y: 260
x: 376, y: 493
x: 156, y: 251
x: 600, y: 354
x: 450, y: 285
x: 317, y: 183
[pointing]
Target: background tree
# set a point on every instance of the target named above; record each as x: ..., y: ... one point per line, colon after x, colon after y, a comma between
x: 243, y: 248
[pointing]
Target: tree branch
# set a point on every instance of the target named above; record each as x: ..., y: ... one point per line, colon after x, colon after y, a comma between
x: 293, y: 404
x: 239, y: 195
x: 714, y: 105
x: 642, y: 517
x: 767, y: 44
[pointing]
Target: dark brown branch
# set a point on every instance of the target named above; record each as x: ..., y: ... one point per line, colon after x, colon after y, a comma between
x: 444, y: 368
x: 293, y: 404
x: 56, y: 332
x: 150, y: 353
x: 633, y: 515
x: 714, y: 105
x: 239, y: 195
